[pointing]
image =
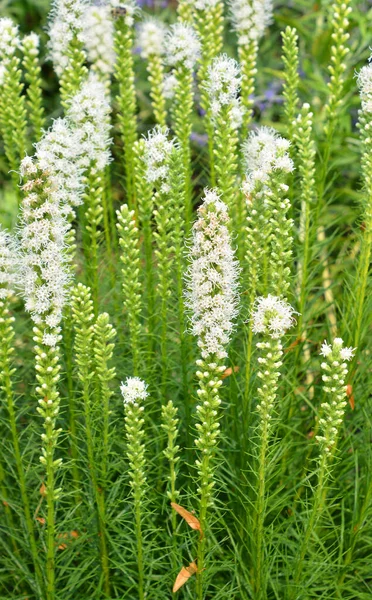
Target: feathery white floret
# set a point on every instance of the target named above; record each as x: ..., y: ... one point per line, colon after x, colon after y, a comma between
x: 182, y: 46
x: 222, y: 85
x: 98, y: 36
x: 133, y: 390
x: 8, y: 264
x: 337, y: 350
x: 151, y: 37
x: 265, y: 151
x: 212, y: 278
x: 157, y: 152
x: 67, y: 24
x: 9, y: 39
x: 89, y: 113
x: 364, y: 81
x: 250, y: 18
x: 169, y: 85
x: 272, y: 315
x: 31, y: 43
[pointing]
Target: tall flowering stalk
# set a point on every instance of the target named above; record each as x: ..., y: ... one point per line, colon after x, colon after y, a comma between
x: 212, y: 281
x: 89, y: 113
x: 331, y: 418
x: 134, y: 393
x: 271, y: 318
x: 126, y: 99
x: 291, y: 78
x: 151, y: 42
x: 131, y: 284
x: 44, y: 273
x: 98, y: 36
x: 31, y: 63
x: 182, y: 52
x: 8, y: 281
x: 12, y: 102
x: 222, y: 86
x: 249, y: 19
x: 83, y: 321
x: 66, y: 45
x: 169, y: 424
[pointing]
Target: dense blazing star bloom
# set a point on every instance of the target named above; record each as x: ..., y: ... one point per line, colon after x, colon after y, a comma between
x: 212, y: 278
x: 182, y: 46
x: 272, y: 316
x: 67, y: 24
x: 364, y: 80
x: 98, y: 36
x: 133, y: 390
x: 265, y: 151
x: 8, y: 264
x: 9, y: 40
x: 222, y: 86
x: 250, y: 18
x: 151, y: 38
x: 157, y: 152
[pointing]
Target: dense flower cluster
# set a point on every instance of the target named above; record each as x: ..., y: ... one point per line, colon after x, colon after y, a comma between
x: 31, y: 43
x: 365, y: 87
x: 272, y: 316
x: 98, y: 35
x: 250, y: 18
x: 212, y: 278
x: 151, y: 36
x: 157, y: 152
x: 182, y: 46
x: 9, y: 39
x: 169, y: 85
x: 133, y: 389
x: 89, y: 113
x: 264, y: 152
x: 8, y: 264
x: 336, y: 349
x: 67, y: 24
x: 222, y: 85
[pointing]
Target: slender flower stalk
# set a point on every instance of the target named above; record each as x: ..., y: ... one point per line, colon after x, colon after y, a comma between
x: 98, y: 36
x: 8, y: 281
x: 271, y: 317
x: 83, y: 321
x: 212, y: 299
x: 182, y: 52
x: 249, y: 19
x: 134, y: 392
x: 131, y: 284
x: 151, y: 43
x: 66, y: 45
x: 169, y: 424
x: 31, y: 64
x: 126, y: 99
x: 13, y: 112
x: 331, y: 418
x: 291, y: 78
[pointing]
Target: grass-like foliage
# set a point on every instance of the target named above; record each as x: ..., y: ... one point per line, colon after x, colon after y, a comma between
x: 185, y: 300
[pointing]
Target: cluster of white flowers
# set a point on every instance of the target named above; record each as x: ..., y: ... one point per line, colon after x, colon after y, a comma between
x: 9, y: 42
x: 127, y: 11
x: 31, y: 43
x: 182, y: 46
x: 337, y: 349
x: 151, y: 36
x: 250, y: 18
x: 222, y: 85
x: 169, y: 85
x: 133, y: 390
x: 365, y: 87
x: 8, y: 264
x: 157, y: 152
x: 89, y: 113
x: 212, y: 278
x: 273, y: 316
x: 67, y: 24
x: 265, y: 151
x: 98, y: 36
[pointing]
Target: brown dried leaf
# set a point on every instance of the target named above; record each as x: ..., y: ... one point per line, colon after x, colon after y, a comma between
x: 184, y: 575
x: 229, y: 371
x: 190, y: 519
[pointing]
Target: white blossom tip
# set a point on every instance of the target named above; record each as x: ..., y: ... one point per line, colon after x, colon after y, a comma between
x: 272, y: 315
x: 133, y: 390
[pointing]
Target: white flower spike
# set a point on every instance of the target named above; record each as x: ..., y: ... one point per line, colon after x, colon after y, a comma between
x: 133, y: 390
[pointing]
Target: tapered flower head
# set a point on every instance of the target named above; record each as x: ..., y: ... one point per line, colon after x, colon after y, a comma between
x: 250, y: 18
x: 67, y: 24
x: 133, y: 390
x: 31, y: 43
x: 9, y: 39
x: 212, y: 278
x: 8, y: 264
x: 337, y: 351
x: 222, y: 85
x: 272, y: 316
x: 265, y: 151
x: 151, y: 37
x: 182, y: 46
x: 98, y: 35
x: 157, y: 152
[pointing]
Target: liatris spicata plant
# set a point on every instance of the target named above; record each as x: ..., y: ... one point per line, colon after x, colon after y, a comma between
x: 271, y: 317
x: 212, y: 299
x: 182, y: 48
x: 98, y: 36
x: 134, y: 392
x: 249, y: 19
x: 151, y: 37
x: 12, y: 101
x: 330, y: 421
x: 31, y: 63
